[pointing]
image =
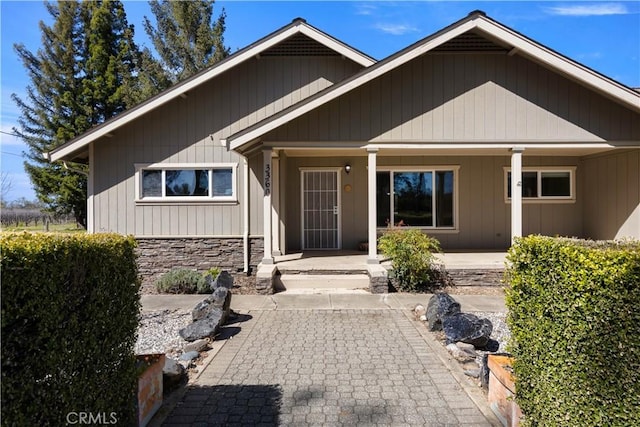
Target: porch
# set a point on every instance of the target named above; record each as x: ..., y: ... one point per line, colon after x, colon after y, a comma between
x: 349, y: 271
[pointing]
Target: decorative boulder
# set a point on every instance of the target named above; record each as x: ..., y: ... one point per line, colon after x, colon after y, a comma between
x: 440, y: 305
x: 219, y: 298
x: 205, y: 327
x: 467, y: 328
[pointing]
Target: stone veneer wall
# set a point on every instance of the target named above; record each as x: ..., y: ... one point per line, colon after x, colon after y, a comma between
x: 157, y: 256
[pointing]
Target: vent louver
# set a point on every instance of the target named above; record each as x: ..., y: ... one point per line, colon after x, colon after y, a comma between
x: 299, y: 45
x: 471, y: 42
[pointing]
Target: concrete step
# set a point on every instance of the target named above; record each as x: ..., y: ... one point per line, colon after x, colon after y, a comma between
x: 290, y: 282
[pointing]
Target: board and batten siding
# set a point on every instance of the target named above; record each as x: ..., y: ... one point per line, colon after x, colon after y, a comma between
x: 484, y: 218
x: 189, y: 130
x: 611, y: 185
x: 467, y: 98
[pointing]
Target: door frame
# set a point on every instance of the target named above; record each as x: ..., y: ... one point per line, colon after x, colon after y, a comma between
x: 337, y: 171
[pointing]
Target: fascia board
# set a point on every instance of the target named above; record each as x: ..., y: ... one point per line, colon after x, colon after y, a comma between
x: 177, y: 91
x: 380, y: 68
x: 555, y: 61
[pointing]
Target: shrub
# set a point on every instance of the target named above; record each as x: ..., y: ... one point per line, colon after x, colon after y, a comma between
x: 574, y: 319
x: 213, y: 272
x: 411, y: 253
x: 70, y: 308
x: 182, y: 281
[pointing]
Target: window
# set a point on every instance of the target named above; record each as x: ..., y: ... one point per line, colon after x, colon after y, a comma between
x: 544, y: 183
x: 186, y: 182
x: 416, y: 198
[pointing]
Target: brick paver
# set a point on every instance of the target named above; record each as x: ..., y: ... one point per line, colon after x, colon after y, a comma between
x: 326, y: 367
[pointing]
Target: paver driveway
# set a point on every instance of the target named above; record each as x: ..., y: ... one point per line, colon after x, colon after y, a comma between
x: 326, y: 367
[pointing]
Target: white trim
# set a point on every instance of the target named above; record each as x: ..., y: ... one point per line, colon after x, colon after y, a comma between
x: 245, y: 214
x: 428, y: 168
x: 338, y: 173
x: 339, y: 89
x: 516, y: 183
x: 561, y: 63
x: 90, y: 191
x: 372, y: 206
x: 221, y: 67
x: 602, y: 84
x: 267, y: 206
x: 543, y: 199
x: 173, y: 200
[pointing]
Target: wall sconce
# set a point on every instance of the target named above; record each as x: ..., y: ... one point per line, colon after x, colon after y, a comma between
x: 347, y: 168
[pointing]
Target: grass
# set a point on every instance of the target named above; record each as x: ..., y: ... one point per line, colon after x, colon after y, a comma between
x: 66, y: 227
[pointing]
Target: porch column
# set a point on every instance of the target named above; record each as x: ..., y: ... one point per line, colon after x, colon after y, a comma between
x: 267, y: 206
x: 372, y: 206
x: 516, y: 192
x: 275, y: 206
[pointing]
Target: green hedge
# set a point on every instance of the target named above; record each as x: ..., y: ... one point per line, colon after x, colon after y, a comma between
x: 574, y: 315
x: 70, y: 308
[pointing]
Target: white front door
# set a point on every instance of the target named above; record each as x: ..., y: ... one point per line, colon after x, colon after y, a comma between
x: 320, y: 209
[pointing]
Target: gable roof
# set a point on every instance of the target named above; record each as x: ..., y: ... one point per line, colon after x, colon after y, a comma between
x: 294, y: 38
x: 457, y: 36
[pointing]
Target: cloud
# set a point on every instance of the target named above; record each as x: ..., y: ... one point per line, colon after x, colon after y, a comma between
x: 365, y: 9
x: 589, y: 10
x: 395, y: 29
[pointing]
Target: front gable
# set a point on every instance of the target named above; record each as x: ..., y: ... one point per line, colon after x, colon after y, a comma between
x: 474, y: 81
x: 455, y: 94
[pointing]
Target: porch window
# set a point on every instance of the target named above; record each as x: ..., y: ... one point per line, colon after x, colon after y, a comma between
x: 186, y: 182
x: 544, y: 183
x: 416, y: 198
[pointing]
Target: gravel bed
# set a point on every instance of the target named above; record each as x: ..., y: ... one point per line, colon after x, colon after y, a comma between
x: 500, y: 331
x: 158, y: 331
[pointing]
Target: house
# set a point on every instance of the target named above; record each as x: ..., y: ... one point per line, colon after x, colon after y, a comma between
x: 475, y: 134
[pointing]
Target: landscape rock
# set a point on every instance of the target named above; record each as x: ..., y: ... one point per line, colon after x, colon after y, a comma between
x: 197, y: 345
x: 189, y: 356
x: 468, y: 349
x: 440, y: 305
x: 458, y: 354
x: 473, y: 373
x: 172, y: 368
x: 420, y: 312
x: 172, y: 374
x: 468, y: 328
x: 203, y: 328
x: 224, y: 280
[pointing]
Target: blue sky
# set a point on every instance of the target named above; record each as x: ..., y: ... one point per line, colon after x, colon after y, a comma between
x: 602, y: 35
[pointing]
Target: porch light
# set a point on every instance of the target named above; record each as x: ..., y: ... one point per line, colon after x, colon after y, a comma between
x: 347, y: 168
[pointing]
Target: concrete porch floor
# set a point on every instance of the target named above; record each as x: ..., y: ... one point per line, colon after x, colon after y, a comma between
x: 353, y: 260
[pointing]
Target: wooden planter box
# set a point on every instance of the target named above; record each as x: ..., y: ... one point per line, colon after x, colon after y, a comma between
x: 502, y: 390
x: 149, y: 386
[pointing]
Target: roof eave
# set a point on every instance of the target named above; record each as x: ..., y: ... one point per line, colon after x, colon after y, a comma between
x: 297, y: 26
x: 475, y: 20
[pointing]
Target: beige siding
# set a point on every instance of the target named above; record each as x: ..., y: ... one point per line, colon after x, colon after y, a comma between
x: 467, y: 98
x: 612, y: 195
x: 188, y: 130
x: 484, y: 216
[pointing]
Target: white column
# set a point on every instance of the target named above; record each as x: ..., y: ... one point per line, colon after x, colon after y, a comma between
x: 516, y: 192
x: 275, y: 205
x: 90, y: 190
x: 266, y: 208
x: 372, y: 206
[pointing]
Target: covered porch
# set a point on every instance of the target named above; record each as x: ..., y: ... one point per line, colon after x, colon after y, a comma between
x: 348, y: 271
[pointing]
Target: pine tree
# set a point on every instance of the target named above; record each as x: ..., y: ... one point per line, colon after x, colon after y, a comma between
x: 82, y: 75
x: 186, y: 38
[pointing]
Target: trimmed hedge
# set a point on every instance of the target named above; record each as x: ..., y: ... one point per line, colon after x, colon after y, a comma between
x: 574, y: 315
x: 411, y: 253
x: 70, y: 308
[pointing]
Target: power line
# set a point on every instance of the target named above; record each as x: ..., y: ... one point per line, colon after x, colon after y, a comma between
x: 11, y: 154
x: 9, y: 133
